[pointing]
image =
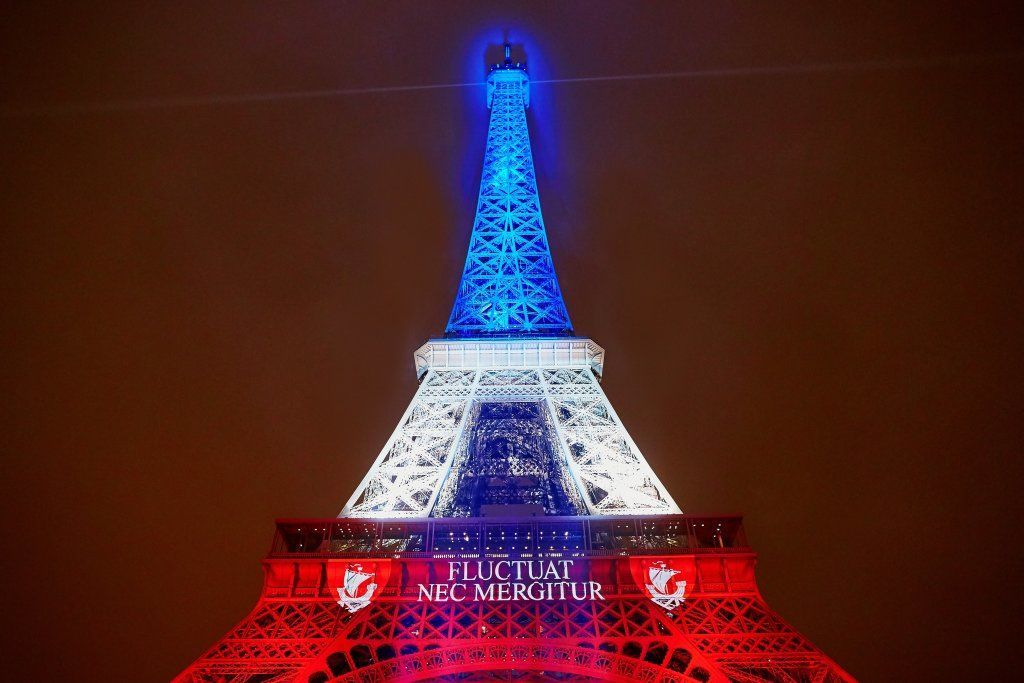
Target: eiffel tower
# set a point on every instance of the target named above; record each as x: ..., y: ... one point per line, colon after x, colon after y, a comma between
x: 510, y: 529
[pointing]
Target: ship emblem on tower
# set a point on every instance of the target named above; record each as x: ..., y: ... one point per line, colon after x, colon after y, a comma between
x: 358, y: 588
x: 511, y: 459
x: 661, y: 577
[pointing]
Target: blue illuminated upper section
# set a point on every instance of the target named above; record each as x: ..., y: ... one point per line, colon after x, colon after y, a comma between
x: 509, y: 287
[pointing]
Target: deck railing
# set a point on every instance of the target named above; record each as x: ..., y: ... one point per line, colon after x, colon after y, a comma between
x: 497, y: 537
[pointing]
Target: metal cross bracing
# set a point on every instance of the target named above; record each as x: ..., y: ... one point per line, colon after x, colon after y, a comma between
x: 509, y: 452
x: 441, y: 459
x: 417, y: 472
x: 400, y: 639
x: 508, y: 285
x: 724, y: 631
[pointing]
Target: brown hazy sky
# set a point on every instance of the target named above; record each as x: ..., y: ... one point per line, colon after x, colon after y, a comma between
x: 808, y: 284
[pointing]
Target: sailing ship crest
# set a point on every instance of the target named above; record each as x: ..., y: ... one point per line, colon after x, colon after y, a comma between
x: 358, y: 588
x: 660, y: 575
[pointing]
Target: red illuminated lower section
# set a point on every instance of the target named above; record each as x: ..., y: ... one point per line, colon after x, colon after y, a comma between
x: 658, y: 599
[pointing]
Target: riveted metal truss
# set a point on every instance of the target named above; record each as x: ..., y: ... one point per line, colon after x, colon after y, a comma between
x: 723, y: 630
x: 271, y: 644
x: 714, y: 638
x: 508, y: 284
x: 619, y: 639
x: 508, y: 341
x: 596, y: 454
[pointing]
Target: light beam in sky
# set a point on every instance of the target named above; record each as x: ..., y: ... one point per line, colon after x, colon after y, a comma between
x: 71, y: 108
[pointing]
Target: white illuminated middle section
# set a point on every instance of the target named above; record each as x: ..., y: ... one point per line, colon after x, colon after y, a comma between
x: 609, y: 471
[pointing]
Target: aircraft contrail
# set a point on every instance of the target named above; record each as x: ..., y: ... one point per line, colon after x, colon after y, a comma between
x: 68, y: 108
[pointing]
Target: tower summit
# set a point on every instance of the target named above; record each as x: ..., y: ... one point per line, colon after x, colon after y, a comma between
x: 510, y: 528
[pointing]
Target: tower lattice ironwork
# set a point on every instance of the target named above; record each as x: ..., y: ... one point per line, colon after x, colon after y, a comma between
x: 510, y: 529
x: 509, y: 286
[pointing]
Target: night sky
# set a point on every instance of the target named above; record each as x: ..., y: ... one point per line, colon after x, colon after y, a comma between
x: 808, y: 282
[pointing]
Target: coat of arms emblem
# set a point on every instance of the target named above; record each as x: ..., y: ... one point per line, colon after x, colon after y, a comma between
x: 660, y: 578
x: 357, y: 588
